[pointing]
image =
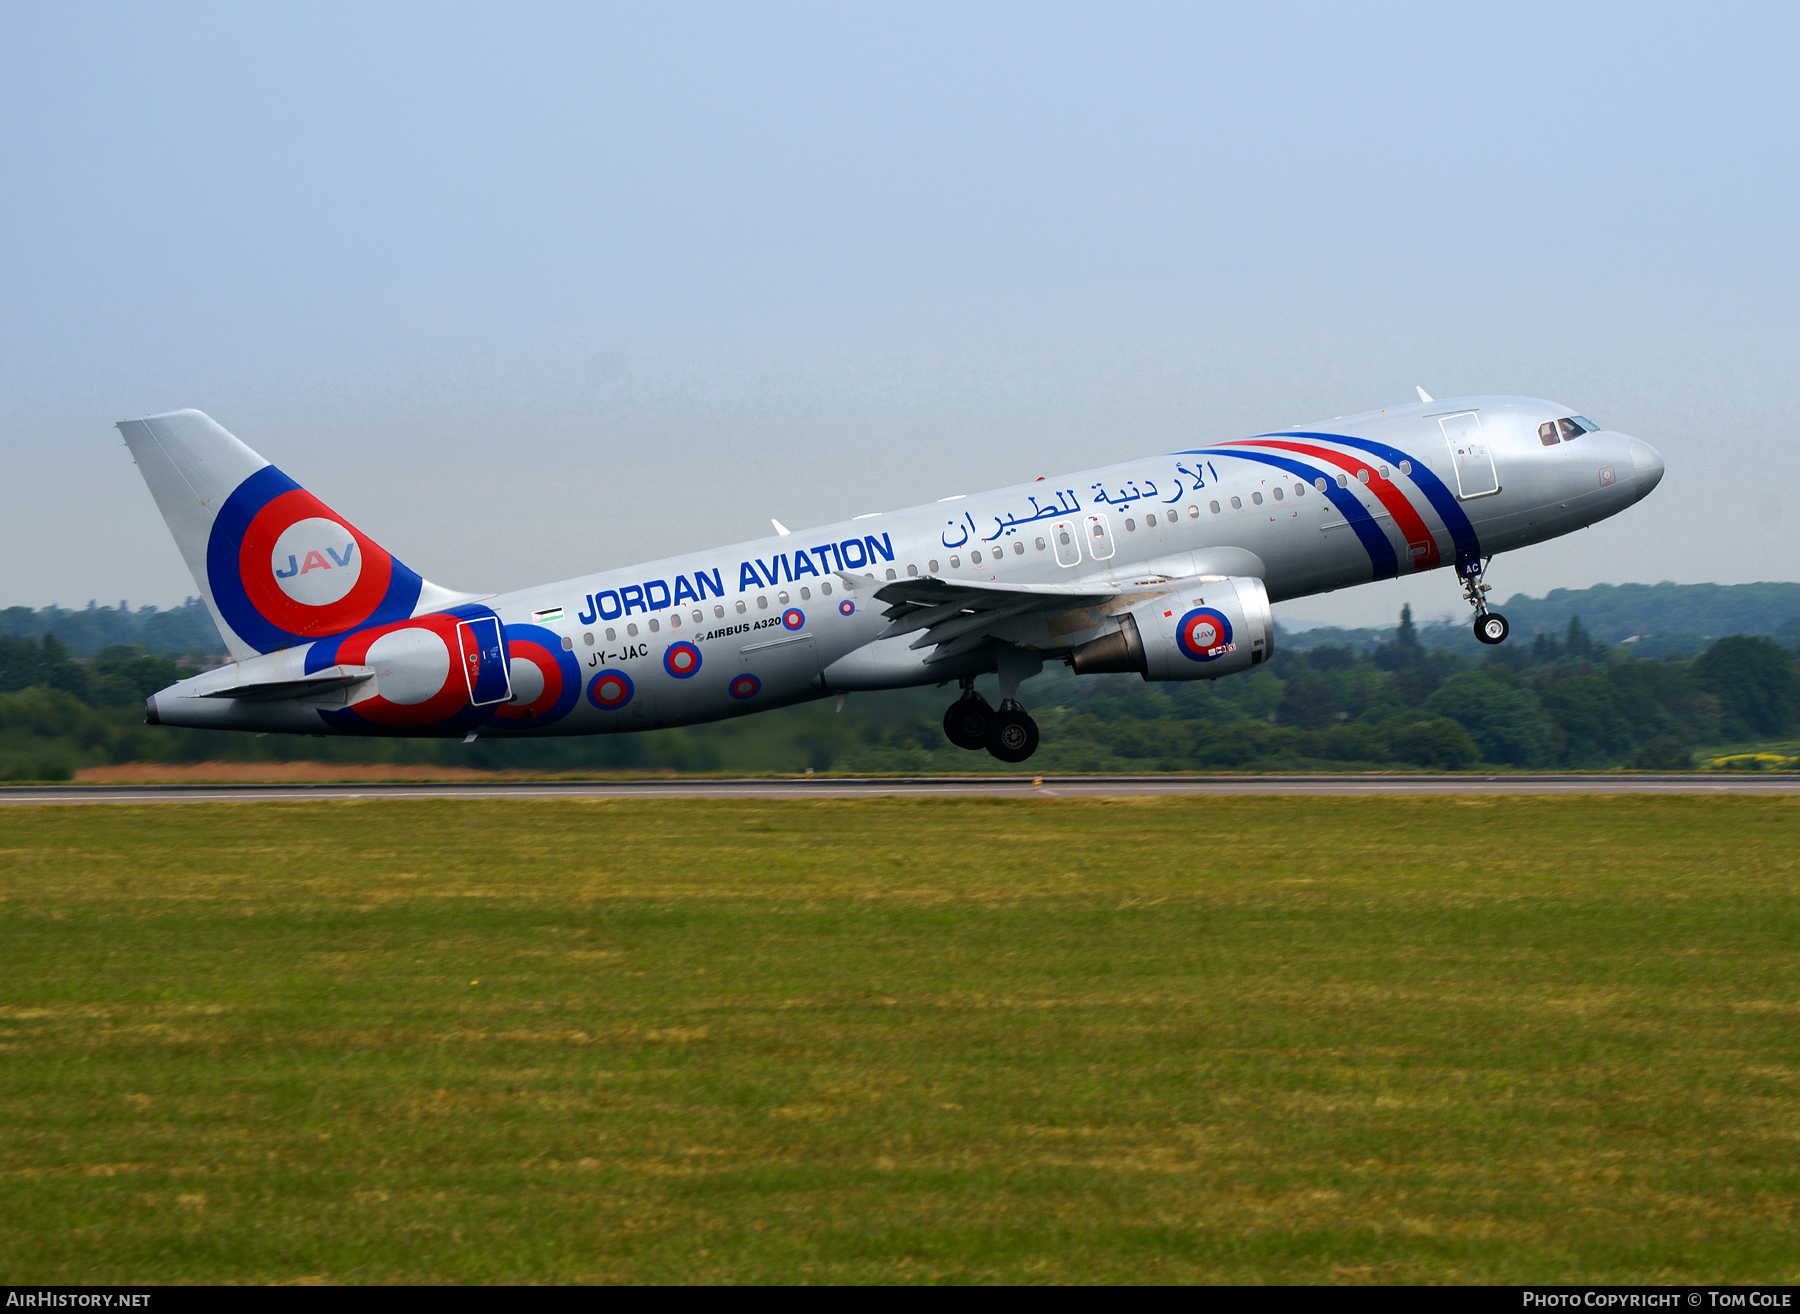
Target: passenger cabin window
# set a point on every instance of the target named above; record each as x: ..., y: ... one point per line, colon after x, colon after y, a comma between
x: 1040, y: 545
x: 1299, y: 490
x: 955, y: 563
x: 1130, y: 525
x: 912, y: 572
x: 1406, y: 467
x: 1019, y: 547
x: 718, y: 611
x: 1319, y: 483
x: 974, y: 558
x: 1215, y: 507
x: 762, y: 602
x: 568, y: 643
x: 782, y: 597
x: 1547, y: 433
x: 655, y: 625
x: 588, y: 638
x: 631, y: 630
x: 890, y: 573
x: 1279, y: 494
x: 740, y: 606
x: 931, y: 566
x: 825, y: 589
x: 1256, y: 498
x: 1237, y: 504
x: 674, y: 620
x: 700, y: 616
x: 805, y: 593
x: 1194, y: 511
x: 611, y: 634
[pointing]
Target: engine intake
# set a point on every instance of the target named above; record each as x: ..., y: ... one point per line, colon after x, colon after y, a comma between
x: 1215, y: 626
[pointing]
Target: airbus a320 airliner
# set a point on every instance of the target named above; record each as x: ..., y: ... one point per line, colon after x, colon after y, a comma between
x: 1164, y: 565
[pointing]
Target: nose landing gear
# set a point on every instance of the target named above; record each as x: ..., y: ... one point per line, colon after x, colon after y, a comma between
x: 1490, y: 626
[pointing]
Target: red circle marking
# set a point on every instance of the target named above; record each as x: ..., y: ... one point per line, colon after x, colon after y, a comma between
x: 282, y: 611
x: 1198, y: 641
x: 441, y: 706
x: 610, y: 690
x: 539, y: 656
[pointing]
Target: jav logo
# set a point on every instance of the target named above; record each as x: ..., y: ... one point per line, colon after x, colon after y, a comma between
x: 316, y: 561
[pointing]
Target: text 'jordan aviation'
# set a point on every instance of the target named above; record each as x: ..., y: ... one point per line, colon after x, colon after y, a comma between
x: 1162, y: 565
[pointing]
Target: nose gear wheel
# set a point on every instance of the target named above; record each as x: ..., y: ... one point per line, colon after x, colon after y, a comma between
x: 1490, y: 626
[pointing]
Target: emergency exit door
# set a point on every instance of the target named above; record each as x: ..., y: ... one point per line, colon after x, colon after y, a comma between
x: 484, y: 661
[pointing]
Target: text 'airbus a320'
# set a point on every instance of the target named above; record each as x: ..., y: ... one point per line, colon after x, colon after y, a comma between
x: 1165, y: 566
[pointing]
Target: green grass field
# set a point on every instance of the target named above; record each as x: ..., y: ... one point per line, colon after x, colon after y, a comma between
x: 1401, y: 1040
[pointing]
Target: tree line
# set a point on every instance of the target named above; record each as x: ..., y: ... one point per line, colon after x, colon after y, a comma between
x: 1559, y: 700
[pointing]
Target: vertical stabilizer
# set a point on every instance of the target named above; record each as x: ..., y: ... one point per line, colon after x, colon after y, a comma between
x: 275, y: 565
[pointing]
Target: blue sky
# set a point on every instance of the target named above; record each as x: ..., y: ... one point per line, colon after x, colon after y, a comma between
x: 531, y: 294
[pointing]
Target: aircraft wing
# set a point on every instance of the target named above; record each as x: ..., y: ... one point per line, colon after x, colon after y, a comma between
x: 957, y: 615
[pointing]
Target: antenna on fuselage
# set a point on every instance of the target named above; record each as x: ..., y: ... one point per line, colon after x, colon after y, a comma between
x: 1423, y: 395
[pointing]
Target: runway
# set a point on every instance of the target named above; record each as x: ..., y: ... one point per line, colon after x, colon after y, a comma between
x: 918, y: 787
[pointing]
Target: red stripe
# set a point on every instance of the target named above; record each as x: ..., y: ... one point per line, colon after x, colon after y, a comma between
x: 1404, y: 514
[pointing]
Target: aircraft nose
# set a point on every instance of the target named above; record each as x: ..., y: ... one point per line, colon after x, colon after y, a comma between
x: 1647, y: 464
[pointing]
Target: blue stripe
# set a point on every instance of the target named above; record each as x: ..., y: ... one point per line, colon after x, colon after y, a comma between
x: 1385, y: 564
x: 1443, y: 501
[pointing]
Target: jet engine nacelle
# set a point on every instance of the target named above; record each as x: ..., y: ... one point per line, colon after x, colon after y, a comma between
x: 1215, y: 626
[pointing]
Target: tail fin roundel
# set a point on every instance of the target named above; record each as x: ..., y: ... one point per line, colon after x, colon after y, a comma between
x: 276, y: 566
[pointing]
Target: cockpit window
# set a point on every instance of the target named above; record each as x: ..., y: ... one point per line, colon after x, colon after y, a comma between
x: 1587, y: 425
x: 1547, y: 433
x: 1570, y: 430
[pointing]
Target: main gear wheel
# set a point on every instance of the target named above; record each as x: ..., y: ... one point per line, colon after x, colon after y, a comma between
x: 1012, y: 736
x: 966, y: 722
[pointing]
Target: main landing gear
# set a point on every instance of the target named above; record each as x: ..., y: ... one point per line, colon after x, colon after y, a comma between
x: 1007, y: 732
x: 1490, y: 626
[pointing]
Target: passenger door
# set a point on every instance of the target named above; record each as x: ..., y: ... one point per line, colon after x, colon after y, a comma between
x: 1469, y: 453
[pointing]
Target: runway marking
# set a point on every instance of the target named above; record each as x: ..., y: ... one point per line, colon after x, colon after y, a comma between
x: 920, y: 787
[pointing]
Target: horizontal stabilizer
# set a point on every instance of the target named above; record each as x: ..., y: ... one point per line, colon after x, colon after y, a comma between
x: 318, y: 682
